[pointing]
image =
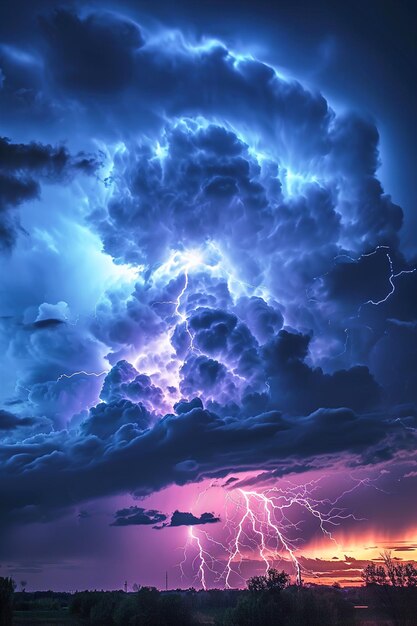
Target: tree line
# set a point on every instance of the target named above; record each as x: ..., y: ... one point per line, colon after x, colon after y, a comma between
x: 270, y: 600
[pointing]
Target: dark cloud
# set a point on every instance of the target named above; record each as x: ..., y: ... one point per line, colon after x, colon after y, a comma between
x: 45, y: 161
x: 12, y: 193
x: 137, y: 516
x: 10, y: 421
x: 60, y: 470
x: 180, y: 518
x: 22, y: 167
x: 202, y: 373
x: 47, y: 323
x: 103, y: 59
x: 397, y: 349
x: 284, y: 361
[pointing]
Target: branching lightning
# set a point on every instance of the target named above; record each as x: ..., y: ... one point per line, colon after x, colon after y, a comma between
x: 208, y: 260
x: 265, y: 526
x: 391, y: 277
x: 204, y: 562
x: 181, y: 264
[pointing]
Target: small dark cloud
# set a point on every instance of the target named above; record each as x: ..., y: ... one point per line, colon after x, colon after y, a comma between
x: 13, y: 402
x: 48, y: 323
x: 409, y: 549
x: 230, y: 481
x: 10, y: 421
x: 180, y: 518
x: 46, y: 161
x: 137, y: 516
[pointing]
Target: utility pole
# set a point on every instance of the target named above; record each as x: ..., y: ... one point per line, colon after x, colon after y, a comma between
x: 166, y: 580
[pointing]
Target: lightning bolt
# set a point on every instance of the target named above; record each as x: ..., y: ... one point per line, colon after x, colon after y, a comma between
x: 391, y: 277
x: 80, y: 373
x: 201, y: 557
x: 184, y: 262
x: 312, y: 294
x: 206, y: 561
x: 182, y: 316
x: 262, y: 522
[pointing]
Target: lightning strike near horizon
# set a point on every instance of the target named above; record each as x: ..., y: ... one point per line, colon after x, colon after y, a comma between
x: 203, y: 557
x: 266, y: 525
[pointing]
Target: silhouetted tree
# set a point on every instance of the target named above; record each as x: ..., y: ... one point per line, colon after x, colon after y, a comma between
x: 273, y: 581
x: 374, y: 575
x: 390, y: 573
x: 394, y: 586
x: 7, y: 587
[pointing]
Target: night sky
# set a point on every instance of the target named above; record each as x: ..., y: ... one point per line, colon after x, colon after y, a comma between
x: 208, y: 290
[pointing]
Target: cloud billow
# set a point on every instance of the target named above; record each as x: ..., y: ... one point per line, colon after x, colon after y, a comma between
x: 270, y: 296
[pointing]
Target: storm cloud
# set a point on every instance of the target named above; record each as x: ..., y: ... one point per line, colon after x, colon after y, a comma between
x: 62, y: 469
x: 264, y: 314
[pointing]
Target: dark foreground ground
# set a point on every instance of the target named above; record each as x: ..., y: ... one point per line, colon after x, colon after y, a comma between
x: 314, y: 606
x: 62, y: 618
